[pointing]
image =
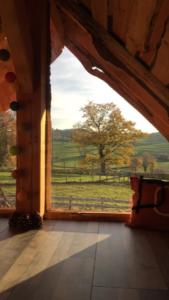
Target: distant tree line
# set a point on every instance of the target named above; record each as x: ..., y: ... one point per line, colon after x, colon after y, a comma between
x: 147, y: 162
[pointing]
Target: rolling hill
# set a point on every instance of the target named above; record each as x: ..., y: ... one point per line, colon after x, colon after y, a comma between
x: 154, y: 144
x: 67, y: 152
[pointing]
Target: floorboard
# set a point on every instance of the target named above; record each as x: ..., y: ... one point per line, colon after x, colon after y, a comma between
x: 83, y: 260
x: 126, y: 260
x: 100, y: 293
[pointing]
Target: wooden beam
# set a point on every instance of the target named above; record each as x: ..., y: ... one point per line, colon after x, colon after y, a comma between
x: 6, y: 212
x: 126, y: 75
x: 31, y: 118
x: 125, y: 66
x: 57, y: 31
x: 48, y: 164
x: 87, y: 216
x: 16, y: 24
x: 89, y: 61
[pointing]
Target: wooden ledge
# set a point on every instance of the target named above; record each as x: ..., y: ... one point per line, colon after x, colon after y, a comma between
x: 6, y: 212
x: 55, y: 214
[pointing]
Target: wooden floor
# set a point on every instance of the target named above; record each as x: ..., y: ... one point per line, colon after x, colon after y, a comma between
x: 82, y: 261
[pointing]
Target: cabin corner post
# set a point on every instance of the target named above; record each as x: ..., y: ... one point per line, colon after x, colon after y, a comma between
x: 37, y: 110
x: 34, y: 98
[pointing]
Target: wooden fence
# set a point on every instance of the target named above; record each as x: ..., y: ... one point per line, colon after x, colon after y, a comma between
x: 114, y: 178
x: 102, y: 204
x: 7, y: 190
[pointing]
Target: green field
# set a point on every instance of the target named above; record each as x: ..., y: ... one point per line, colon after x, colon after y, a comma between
x: 92, y: 191
x: 155, y: 144
x: 67, y: 154
x: 70, y: 184
x: 92, y: 197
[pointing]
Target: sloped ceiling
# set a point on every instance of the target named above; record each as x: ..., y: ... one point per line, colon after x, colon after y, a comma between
x: 124, y: 42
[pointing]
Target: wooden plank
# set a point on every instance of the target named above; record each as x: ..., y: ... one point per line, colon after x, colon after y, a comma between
x: 83, y: 227
x: 161, y: 66
x: 86, y: 3
x: 76, y: 252
x: 60, y: 214
x: 5, y: 295
x: 99, y: 12
x: 6, y: 212
x: 11, y: 248
x: 160, y: 248
x: 102, y: 293
x: 156, y: 32
x: 58, y: 261
x: 48, y: 162
x: 3, y: 225
x: 114, y: 50
x: 30, y: 260
x: 17, y: 29
x: 126, y: 260
x: 121, y: 11
x: 122, y: 71
x: 139, y: 22
x: 54, y: 259
x: 41, y: 98
x: 32, y: 139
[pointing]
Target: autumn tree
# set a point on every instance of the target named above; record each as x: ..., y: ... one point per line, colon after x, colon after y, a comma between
x: 148, y: 162
x: 152, y: 164
x: 135, y: 163
x: 105, y: 128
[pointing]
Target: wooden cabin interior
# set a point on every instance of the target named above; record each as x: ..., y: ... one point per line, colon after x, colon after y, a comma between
x: 79, y: 255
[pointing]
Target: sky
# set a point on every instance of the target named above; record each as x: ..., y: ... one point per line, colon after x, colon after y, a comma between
x: 73, y: 87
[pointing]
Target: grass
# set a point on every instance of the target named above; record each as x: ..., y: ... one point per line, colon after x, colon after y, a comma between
x: 86, y: 191
x: 68, y: 154
x: 64, y: 178
x: 163, y: 166
x: 5, y: 177
x: 92, y: 191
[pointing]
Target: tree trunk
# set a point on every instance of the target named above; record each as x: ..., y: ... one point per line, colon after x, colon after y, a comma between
x: 102, y: 159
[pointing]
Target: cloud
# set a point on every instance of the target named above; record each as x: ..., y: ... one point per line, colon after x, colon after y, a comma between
x: 69, y: 76
x: 72, y: 87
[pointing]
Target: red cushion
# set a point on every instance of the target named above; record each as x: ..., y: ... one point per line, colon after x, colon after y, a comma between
x: 150, y: 192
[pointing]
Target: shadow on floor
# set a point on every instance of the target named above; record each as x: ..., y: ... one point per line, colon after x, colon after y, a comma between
x: 64, y: 264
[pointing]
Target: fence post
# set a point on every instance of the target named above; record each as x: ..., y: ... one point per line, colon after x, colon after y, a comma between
x: 69, y: 204
x: 106, y: 178
x: 102, y: 204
